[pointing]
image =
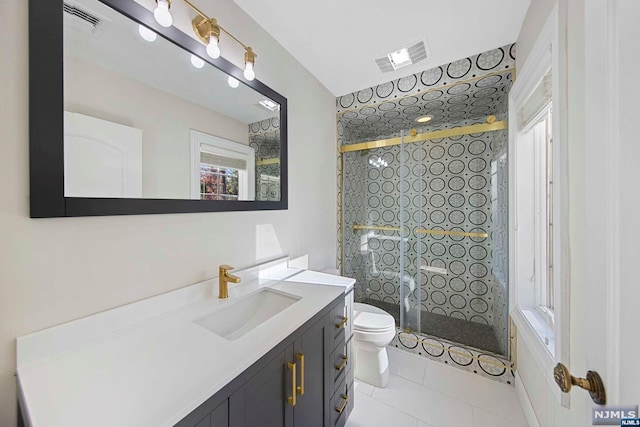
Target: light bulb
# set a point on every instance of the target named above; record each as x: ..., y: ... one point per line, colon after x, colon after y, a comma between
x: 234, y: 83
x: 213, y: 50
x: 249, y: 74
x: 162, y: 14
x: 147, y: 34
x: 196, y: 61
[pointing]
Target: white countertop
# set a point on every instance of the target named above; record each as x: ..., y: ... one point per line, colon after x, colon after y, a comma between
x: 156, y: 370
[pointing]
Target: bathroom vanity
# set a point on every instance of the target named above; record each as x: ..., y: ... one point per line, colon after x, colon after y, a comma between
x: 275, y: 353
x: 300, y: 382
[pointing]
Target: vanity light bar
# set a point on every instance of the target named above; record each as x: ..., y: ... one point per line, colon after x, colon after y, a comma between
x: 208, y: 31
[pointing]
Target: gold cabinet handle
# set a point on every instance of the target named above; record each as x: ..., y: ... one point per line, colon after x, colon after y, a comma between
x: 342, y: 322
x: 593, y: 383
x: 341, y: 366
x: 340, y: 408
x: 292, y: 399
x: 300, y: 388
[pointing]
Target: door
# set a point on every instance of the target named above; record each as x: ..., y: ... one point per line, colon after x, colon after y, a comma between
x: 411, y: 188
x: 603, y: 232
x: 265, y: 394
x: 101, y: 158
x: 310, y: 356
x: 604, y: 319
x: 267, y: 399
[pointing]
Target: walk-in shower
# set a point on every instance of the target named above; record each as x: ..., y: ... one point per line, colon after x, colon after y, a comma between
x: 424, y: 204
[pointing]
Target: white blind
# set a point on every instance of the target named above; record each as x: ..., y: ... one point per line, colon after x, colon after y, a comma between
x: 537, y: 102
x: 225, y: 162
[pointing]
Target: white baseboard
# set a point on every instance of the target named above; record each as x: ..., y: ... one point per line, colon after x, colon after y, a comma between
x: 527, y: 408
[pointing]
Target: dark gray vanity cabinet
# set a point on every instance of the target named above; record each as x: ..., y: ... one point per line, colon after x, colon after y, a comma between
x: 339, y: 375
x: 303, y: 367
x: 261, y: 401
x: 310, y: 352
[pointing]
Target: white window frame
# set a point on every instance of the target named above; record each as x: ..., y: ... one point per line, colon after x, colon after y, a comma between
x: 223, y: 147
x: 541, y: 227
x: 549, y: 341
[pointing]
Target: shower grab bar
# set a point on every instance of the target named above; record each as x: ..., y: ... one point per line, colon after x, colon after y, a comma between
x: 374, y: 227
x: 420, y: 230
x: 452, y: 233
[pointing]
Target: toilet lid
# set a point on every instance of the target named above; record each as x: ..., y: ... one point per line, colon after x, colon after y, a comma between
x: 369, y: 318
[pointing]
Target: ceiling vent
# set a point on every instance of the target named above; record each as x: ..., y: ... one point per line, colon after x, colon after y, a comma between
x: 269, y: 105
x: 84, y: 19
x: 392, y: 61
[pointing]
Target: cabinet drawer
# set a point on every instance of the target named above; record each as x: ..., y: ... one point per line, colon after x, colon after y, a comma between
x: 339, y: 324
x: 341, y: 405
x: 341, y: 362
x: 351, y: 371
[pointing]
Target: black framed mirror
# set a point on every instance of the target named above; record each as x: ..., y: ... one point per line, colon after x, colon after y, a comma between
x: 128, y: 117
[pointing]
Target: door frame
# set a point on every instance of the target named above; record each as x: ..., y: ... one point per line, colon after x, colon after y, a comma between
x: 549, y: 51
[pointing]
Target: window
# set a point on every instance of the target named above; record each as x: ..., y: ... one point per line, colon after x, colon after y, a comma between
x: 221, y: 169
x: 218, y: 183
x: 539, y: 277
x: 544, y: 247
x: 534, y: 211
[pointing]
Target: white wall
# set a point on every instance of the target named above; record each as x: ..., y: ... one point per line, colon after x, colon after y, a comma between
x: 533, y: 23
x: 56, y: 270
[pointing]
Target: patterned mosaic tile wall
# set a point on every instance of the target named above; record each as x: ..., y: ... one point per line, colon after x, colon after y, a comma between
x: 443, y: 184
x: 465, y: 89
x: 264, y: 138
x: 355, y: 212
x: 452, y: 184
x: 471, y: 87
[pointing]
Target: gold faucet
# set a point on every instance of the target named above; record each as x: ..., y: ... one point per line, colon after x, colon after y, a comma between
x: 223, y: 280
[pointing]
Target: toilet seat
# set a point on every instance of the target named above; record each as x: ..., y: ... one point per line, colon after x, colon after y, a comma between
x: 368, y: 318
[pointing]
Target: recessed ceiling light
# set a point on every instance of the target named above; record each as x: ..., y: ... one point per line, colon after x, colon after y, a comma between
x: 424, y: 119
x: 400, y: 58
x: 269, y: 104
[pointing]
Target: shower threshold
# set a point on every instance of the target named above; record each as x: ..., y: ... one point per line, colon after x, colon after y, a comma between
x: 465, y: 332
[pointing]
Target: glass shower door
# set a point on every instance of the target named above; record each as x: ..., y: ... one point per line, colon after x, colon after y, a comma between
x: 410, y: 186
x: 384, y: 205
x: 383, y: 236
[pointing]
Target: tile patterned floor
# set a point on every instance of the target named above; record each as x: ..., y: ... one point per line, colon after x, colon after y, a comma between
x: 424, y: 393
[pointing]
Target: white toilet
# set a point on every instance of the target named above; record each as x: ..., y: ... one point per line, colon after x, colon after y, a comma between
x: 373, y: 330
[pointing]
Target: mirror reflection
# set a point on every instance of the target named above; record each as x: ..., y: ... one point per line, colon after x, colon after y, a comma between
x: 146, y: 119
